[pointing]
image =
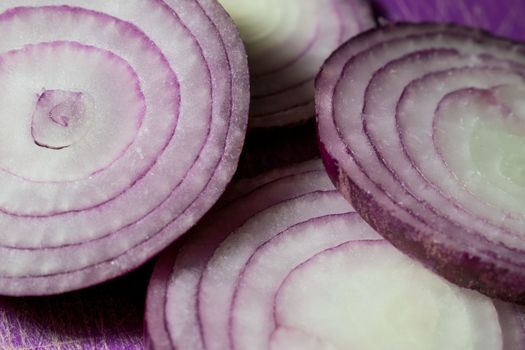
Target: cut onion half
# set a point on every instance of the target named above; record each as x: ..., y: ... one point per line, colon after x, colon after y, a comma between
x: 287, y: 41
x: 120, y: 125
x: 422, y: 128
x: 290, y: 265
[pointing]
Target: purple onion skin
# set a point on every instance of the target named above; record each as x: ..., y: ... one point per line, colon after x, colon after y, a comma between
x: 455, y: 266
x: 499, y: 17
x: 330, y: 164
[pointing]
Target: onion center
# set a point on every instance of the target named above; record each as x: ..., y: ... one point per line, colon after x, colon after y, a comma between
x: 499, y: 155
x: 77, y: 114
x: 59, y: 118
x: 494, y: 146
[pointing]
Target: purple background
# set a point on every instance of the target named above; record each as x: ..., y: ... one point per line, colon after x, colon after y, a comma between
x: 504, y: 17
x: 110, y: 316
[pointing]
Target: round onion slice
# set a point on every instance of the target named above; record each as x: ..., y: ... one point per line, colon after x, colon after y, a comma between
x: 422, y: 128
x: 287, y: 41
x: 121, y: 124
x: 287, y: 264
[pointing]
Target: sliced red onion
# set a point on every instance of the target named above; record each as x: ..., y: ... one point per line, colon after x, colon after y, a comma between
x: 422, y: 128
x: 287, y: 41
x: 260, y: 193
x: 121, y: 124
x: 289, y: 265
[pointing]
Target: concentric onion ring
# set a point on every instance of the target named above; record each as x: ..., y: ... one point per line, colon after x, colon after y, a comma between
x: 192, y: 258
x: 287, y: 41
x: 121, y: 124
x: 422, y: 129
x: 289, y: 265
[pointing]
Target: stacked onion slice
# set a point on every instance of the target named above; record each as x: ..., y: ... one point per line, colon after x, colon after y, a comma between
x: 120, y: 124
x: 287, y: 41
x: 287, y: 264
x: 423, y: 129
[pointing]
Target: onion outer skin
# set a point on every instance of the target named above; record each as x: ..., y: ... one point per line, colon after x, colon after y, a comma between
x: 463, y: 267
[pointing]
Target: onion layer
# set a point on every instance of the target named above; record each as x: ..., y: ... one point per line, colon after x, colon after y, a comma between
x: 287, y: 41
x: 121, y: 124
x: 287, y: 264
x: 422, y: 128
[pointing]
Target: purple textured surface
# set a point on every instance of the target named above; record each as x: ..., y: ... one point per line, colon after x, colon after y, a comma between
x: 110, y: 316
x: 503, y: 17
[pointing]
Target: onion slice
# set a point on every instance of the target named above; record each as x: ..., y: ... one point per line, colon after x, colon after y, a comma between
x: 191, y: 260
x: 287, y: 41
x: 422, y: 128
x: 288, y: 264
x: 121, y: 124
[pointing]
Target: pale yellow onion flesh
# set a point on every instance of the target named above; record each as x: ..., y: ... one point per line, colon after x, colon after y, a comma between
x: 367, y: 295
x: 287, y: 41
x: 490, y: 155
